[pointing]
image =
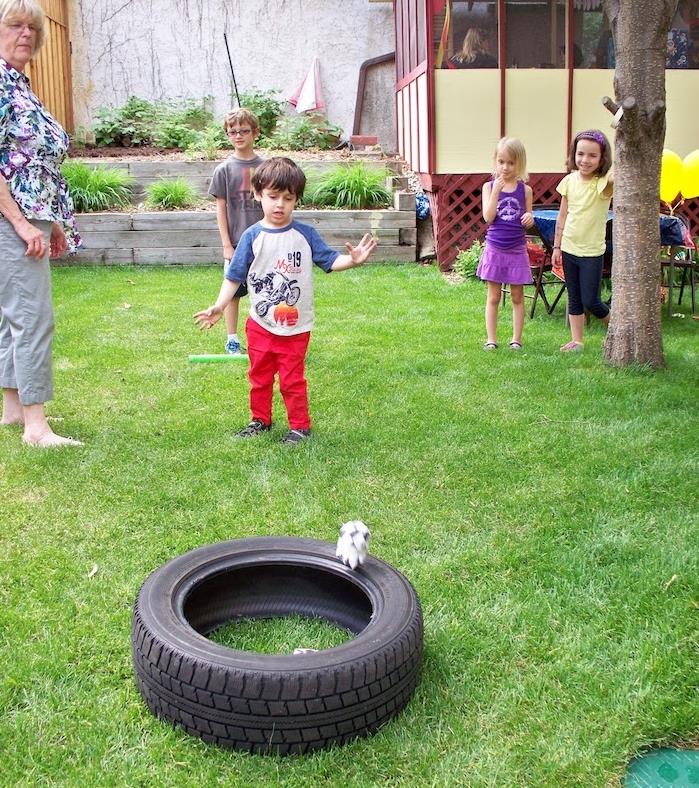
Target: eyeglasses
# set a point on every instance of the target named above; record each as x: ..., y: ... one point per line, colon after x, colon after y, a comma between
x: 18, y: 27
x: 239, y: 132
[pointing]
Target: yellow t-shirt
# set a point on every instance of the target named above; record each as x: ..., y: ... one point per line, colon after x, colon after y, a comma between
x: 585, y: 227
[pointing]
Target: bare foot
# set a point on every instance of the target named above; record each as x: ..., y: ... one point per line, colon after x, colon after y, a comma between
x: 8, y: 420
x: 49, y: 440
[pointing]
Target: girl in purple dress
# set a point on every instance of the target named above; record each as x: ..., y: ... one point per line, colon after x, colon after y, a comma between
x: 507, y: 207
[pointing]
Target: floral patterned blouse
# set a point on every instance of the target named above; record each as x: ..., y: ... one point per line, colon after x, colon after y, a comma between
x: 32, y: 147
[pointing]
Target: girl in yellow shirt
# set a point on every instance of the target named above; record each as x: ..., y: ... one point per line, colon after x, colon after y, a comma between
x: 586, y: 193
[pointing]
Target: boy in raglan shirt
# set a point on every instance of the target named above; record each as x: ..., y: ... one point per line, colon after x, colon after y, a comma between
x: 275, y: 258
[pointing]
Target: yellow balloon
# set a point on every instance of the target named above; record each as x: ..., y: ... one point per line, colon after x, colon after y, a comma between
x: 690, y: 175
x: 671, y: 169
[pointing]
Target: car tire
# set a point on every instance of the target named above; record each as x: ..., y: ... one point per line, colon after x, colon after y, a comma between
x: 275, y: 703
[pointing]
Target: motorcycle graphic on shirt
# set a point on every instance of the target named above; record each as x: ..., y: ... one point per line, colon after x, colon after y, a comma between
x: 276, y: 288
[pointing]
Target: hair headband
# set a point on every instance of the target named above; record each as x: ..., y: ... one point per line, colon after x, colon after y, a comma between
x: 595, y: 136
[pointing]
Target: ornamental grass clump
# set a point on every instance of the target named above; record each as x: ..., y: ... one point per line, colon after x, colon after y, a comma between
x: 168, y: 194
x: 97, y: 188
x: 355, y: 187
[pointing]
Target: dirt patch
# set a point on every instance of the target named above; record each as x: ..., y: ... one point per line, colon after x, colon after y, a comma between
x: 146, y: 152
x: 153, y: 153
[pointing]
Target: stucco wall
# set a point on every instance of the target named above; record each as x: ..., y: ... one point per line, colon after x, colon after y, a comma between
x: 161, y: 49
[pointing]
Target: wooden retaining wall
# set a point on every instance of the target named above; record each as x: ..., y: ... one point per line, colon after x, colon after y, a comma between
x: 191, y: 237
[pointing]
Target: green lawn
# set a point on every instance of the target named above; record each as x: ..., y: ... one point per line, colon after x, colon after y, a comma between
x: 543, y: 505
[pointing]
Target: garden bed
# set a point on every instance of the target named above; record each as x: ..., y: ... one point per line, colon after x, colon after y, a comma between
x: 139, y: 236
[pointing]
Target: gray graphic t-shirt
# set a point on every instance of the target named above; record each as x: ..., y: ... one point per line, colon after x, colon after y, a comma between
x: 231, y: 181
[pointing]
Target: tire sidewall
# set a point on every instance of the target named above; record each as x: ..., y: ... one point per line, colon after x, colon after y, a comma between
x: 160, y: 603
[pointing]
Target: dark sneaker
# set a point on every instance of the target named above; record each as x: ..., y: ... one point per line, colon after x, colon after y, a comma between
x: 256, y: 427
x: 296, y: 436
x: 234, y: 348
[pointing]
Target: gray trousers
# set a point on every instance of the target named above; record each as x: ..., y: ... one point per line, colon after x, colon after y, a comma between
x: 26, y: 317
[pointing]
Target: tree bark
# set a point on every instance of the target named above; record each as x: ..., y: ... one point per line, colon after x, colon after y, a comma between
x: 639, y: 28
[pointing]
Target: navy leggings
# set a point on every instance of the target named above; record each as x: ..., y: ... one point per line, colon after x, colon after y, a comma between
x: 584, y: 284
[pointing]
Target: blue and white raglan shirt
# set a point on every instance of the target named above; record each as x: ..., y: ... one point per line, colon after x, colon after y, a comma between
x: 277, y: 264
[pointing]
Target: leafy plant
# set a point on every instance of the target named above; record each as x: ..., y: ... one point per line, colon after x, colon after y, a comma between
x: 182, y: 121
x: 173, y: 133
x: 176, y: 193
x: 172, y: 124
x: 467, y: 260
x: 267, y: 107
x: 195, y: 115
x: 300, y: 132
x: 131, y: 125
x: 207, y: 144
x: 96, y: 188
x: 354, y: 187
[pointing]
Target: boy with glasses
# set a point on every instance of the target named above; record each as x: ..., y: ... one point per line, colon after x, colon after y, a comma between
x: 236, y: 209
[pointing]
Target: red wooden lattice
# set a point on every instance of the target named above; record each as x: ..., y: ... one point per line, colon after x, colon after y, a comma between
x: 457, y: 218
x: 455, y: 201
x: 689, y: 210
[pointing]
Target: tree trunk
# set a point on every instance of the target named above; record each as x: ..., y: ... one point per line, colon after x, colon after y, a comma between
x: 640, y: 31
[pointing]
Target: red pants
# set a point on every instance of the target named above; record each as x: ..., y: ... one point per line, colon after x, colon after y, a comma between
x: 270, y: 354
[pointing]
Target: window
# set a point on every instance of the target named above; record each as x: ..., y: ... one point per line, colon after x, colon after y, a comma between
x: 535, y: 33
x: 466, y: 35
x: 683, y: 36
x: 594, y: 47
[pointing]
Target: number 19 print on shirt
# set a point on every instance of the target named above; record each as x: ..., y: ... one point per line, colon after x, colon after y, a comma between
x: 277, y: 264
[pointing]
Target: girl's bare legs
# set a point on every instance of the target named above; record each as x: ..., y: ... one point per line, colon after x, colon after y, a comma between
x: 12, y: 411
x: 517, y: 296
x: 577, y: 326
x: 492, y: 304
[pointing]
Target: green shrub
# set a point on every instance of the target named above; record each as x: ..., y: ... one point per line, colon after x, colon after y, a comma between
x: 172, y: 124
x: 195, y: 115
x: 134, y: 124
x: 98, y: 188
x: 174, y: 134
x: 207, y: 144
x: 351, y: 187
x: 467, y: 260
x: 182, y: 121
x: 177, y: 193
x: 300, y: 132
x: 267, y: 107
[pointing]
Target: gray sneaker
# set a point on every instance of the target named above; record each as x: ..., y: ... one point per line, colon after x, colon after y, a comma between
x: 256, y: 427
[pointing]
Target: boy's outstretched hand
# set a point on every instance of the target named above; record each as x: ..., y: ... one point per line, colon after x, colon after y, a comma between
x: 208, y: 317
x: 360, y: 253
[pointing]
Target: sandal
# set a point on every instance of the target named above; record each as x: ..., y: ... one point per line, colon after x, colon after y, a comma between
x: 296, y: 436
x: 515, y: 345
x: 572, y: 347
x: 490, y: 346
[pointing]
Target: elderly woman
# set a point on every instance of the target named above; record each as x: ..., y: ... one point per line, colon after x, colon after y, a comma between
x: 36, y: 221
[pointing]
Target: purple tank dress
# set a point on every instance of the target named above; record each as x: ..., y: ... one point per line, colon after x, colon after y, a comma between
x: 505, y: 257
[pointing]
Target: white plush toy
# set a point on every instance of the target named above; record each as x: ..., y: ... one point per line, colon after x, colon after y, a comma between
x: 353, y: 544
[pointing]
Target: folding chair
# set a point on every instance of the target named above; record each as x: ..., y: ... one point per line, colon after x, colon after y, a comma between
x: 543, y: 276
x: 684, y: 259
